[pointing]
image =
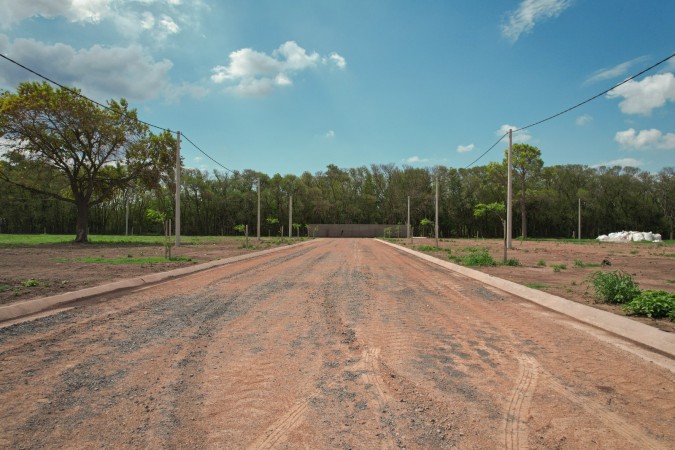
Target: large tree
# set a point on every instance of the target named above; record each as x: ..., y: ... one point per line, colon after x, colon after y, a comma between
x: 526, y: 162
x: 62, y: 145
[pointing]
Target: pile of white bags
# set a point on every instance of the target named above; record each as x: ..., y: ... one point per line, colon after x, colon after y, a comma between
x: 628, y: 236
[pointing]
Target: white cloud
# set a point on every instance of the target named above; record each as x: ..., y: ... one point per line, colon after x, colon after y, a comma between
x: 167, y: 25
x: 415, y: 159
x: 330, y: 134
x: 613, y: 72
x: 296, y: 57
x: 641, y: 97
x: 74, y: 10
x: 156, y: 19
x: 254, y: 73
x: 107, y: 72
x: 529, y: 13
x: 338, y: 60
x: 465, y: 148
x: 520, y: 136
x: 645, y: 139
x: 147, y: 20
x: 584, y: 120
x: 624, y: 162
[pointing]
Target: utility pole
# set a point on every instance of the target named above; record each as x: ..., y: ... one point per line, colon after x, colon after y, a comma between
x: 258, y: 228
x: 509, y: 195
x: 408, y: 222
x: 436, y: 222
x: 126, y: 224
x: 178, y: 189
x: 579, y: 228
x: 290, y: 217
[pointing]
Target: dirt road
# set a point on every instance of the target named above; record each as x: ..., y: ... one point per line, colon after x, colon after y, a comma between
x: 333, y: 344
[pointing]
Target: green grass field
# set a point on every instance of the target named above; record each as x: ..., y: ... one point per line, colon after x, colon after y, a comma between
x: 10, y: 240
x: 46, y: 239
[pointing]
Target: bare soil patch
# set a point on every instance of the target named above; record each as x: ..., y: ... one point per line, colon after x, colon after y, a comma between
x: 652, y: 266
x: 59, y: 268
x: 39, y: 271
x: 343, y: 343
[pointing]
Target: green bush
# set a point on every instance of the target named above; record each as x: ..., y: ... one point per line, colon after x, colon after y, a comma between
x: 541, y: 263
x: 479, y: 259
x: 559, y: 267
x: 654, y: 304
x: 512, y: 262
x: 614, y: 287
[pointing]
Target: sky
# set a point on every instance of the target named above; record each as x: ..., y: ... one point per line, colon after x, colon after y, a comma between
x: 281, y: 86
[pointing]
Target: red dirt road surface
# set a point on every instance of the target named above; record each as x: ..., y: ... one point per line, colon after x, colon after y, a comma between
x: 332, y: 344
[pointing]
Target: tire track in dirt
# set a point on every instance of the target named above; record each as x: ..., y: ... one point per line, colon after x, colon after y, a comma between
x: 287, y: 423
x: 631, y: 435
x: 350, y: 345
x: 515, y: 423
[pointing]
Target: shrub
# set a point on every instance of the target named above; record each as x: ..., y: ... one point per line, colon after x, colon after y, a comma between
x: 559, y: 267
x: 614, y: 287
x: 480, y: 259
x: 512, y: 262
x: 541, y: 263
x: 654, y: 304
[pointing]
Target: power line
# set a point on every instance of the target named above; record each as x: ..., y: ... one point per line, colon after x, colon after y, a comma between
x: 577, y: 105
x: 486, y: 151
x: 204, y: 153
x: 598, y: 95
x: 73, y: 91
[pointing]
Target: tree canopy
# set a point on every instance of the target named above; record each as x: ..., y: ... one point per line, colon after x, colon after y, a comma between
x: 65, y: 147
x: 526, y: 162
x: 84, y: 165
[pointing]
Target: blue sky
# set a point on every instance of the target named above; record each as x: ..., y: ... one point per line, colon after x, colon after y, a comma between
x: 292, y: 86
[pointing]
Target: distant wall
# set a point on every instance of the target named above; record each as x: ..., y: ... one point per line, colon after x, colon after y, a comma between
x: 334, y: 230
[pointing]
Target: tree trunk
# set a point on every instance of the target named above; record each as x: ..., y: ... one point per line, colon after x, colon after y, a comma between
x: 81, y: 226
x: 523, y: 214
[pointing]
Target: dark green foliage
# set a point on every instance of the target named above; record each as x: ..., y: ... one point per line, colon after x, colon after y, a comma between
x: 614, y: 287
x: 474, y: 259
x: 654, y: 304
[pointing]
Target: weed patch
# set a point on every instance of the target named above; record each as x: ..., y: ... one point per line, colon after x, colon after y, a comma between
x: 614, y: 287
x: 475, y: 259
x: 559, y: 267
x: 654, y: 304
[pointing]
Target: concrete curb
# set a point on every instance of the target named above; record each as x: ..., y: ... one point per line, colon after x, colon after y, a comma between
x: 637, y: 332
x: 37, y: 305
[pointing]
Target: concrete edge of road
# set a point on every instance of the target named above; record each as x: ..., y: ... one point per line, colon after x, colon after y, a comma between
x: 38, y: 305
x: 645, y: 335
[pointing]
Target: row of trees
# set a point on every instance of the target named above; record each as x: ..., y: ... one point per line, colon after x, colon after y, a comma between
x: 69, y: 163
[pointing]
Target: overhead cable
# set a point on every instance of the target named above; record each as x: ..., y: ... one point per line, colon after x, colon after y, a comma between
x: 576, y: 106
x: 73, y: 91
x: 204, y: 153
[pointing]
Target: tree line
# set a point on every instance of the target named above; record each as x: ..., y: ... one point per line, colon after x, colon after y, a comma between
x: 87, y: 170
